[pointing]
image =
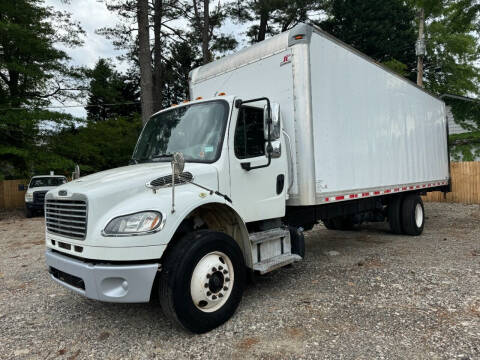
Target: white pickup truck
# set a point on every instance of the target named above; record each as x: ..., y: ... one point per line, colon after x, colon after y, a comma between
x: 297, y: 129
x: 37, y: 188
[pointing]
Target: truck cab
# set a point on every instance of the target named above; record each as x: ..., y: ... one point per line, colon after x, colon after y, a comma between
x: 37, y: 188
x: 116, y: 235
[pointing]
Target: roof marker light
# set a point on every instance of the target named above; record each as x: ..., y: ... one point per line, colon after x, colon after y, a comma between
x: 199, y: 98
x: 185, y: 101
x: 173, y: 105
x: 222, y: 94
x: 298, y: 37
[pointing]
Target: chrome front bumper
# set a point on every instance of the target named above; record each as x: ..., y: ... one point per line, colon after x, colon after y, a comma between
x: 110, y: 283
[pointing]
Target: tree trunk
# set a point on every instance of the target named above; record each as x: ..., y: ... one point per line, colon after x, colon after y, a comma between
x: 145, y: 60
x: 157, y: 56
x: 206, y: 32
x: 262, y: 30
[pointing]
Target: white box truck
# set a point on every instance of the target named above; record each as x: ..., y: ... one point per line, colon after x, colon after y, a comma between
x: 297, y: 129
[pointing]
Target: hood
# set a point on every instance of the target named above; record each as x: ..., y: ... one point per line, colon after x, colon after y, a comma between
x: 40, y: 188
x: 129, y: 180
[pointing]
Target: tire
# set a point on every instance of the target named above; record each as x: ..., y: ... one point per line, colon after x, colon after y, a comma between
x: 394, y: 212
x: 413, y: 215
x: 329, y: 224
x: 28, y: 213
x: 297, y: 240
x: 199, y: 255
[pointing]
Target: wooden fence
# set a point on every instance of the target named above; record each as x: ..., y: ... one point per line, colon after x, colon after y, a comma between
x: 465, y: 184
x: 11, y: 195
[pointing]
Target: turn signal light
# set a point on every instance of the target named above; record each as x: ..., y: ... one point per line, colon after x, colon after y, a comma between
x: 298, y: 37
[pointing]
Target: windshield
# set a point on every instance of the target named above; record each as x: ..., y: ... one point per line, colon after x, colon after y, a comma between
x: 47, y: 181
x: 195, y: 130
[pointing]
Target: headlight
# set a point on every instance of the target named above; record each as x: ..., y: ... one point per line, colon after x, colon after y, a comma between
x: 28, y: 197
x: 139, y: 223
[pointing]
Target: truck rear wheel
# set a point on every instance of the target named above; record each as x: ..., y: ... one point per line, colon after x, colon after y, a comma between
x: 413, y: 215
x: 202, y: 280
x: 394, y: 212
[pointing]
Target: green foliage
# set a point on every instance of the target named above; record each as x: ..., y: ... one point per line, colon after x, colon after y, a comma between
x: 23, y: 135
x: 111, y: 94
x: 270, y: 17
x: 32, y: 68
x: 98, y: 145
x: 453, y: 54
x: 384, y: 31
x: 397, y: 66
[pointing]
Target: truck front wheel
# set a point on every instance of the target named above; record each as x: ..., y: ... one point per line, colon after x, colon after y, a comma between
x: 413, y: 215
x: 202, y: 280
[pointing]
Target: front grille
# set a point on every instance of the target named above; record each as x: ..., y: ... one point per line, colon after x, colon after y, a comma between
x: 39, y: 196
x: 66, y: 217
x: 165, y: 181
x: 67, y: 278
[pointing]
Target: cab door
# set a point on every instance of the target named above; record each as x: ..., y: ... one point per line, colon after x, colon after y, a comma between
x: 257, y: 194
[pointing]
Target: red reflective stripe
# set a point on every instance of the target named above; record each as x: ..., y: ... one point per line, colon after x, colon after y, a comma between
x: 365, y: 194
x: 339, y: 197
x: 376, y: 193
x: 387, y: 191
x: 404, y: 188
x: 396, y: 189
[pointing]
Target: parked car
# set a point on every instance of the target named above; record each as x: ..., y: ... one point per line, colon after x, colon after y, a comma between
x: 37, y: 188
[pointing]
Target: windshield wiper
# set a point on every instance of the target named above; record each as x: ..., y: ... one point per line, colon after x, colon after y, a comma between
x: 161, y: 156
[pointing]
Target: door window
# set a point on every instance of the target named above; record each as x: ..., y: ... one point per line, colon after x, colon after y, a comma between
x: 249, y: 139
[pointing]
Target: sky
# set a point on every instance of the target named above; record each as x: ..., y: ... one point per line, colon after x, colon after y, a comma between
x: 92, y: 15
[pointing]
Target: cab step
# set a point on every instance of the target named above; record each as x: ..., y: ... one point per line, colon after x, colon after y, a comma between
x: 268, y: 235
x: 276, y: 262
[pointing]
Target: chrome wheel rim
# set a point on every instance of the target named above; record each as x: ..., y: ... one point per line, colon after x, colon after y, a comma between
x: 419, y: 215
x: 212, y: 281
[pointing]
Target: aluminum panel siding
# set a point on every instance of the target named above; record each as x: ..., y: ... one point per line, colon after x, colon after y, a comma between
x: 370, y: 127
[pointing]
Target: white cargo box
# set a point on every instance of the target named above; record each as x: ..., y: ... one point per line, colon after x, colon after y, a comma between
x: 356, y: 128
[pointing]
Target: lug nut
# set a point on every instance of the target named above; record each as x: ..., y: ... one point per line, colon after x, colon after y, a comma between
x: 220, y: 295
x: 214, y: 269
x: 225, y: 288
x: 214, y: 297
x: 220, y: 268
x: 208, y: 276
x: 227, y: 279
x: 209, y: 293
x: 206, y: 285
x: 225, y: 271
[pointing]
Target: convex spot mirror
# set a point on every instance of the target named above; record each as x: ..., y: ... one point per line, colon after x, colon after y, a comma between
x: 275, y: 129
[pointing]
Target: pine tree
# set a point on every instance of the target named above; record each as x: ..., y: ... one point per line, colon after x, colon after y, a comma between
x: 384, y: 31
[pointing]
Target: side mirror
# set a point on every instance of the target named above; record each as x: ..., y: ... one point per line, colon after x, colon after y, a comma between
x: 275, y: 124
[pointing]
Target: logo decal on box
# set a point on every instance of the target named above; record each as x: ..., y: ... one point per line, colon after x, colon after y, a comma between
x: 287, y: 59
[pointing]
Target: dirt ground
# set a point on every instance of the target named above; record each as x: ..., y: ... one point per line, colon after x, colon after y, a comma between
x: 365, y: 294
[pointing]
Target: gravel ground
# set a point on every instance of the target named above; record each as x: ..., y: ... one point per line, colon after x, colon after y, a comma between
x: 357, y: 295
